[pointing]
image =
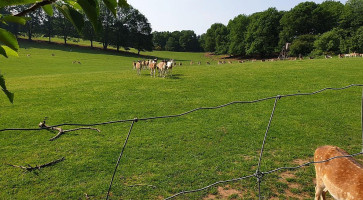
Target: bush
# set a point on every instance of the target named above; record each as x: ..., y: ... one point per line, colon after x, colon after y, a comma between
x: 303, y: 45
x: 329, y: 42
x: 357, y: 40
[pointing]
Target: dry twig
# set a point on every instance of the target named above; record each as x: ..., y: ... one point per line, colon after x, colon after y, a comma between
x: 30, y: 168
x: 61, y: 131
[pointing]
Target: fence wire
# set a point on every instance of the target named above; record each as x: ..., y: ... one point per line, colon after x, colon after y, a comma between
x: 258, y: 174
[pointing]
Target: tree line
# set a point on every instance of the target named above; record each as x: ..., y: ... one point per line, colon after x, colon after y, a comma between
x: 312, y: 29
x: 128, y: 28
x: 185, y: 40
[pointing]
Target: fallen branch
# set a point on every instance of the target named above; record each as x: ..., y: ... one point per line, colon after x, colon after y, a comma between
x: 61, y: 131
x: 30, y: 168
x: 142, y: 185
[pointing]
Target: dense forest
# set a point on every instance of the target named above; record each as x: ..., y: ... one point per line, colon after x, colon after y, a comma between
x: 312, y: 29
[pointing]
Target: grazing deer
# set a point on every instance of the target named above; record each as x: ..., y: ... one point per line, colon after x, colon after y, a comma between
x: 342, y: 177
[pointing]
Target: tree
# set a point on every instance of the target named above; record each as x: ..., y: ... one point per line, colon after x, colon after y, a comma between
x: 160, y: 39
x: 188, y: 41
x: 216, y: 38
x: 329, y: 13
x: 300, y: 20
x: 302, y: 45
x: 88, y: 32
x: 357, y: 40
x: 221, y: 39
x: 262, y: 33
x: 352, y: 17
x: 139, y: 29
x: 72, y: 10
x: 171, y: 44
x: 329, y: 42
x: 237, y: 33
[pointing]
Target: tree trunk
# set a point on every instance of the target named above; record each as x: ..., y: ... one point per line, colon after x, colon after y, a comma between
x: 49, y: 28
x: 29, y: 31
x: 91, y: 43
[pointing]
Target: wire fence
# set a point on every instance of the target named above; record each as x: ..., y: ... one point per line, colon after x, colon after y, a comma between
x: 258, y: 174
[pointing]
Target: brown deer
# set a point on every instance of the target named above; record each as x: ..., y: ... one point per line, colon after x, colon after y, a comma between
x: 342, y: 176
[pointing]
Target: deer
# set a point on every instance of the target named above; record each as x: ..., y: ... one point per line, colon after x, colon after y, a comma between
x: 162, y: 68
x: 138, y: 67
x: 342, y: 177
x: 152, y: 67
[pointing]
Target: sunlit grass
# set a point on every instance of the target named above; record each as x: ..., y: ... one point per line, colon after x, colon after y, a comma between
x: 171, y: 154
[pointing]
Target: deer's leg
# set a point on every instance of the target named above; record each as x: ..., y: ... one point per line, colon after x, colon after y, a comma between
x: 319, y: 189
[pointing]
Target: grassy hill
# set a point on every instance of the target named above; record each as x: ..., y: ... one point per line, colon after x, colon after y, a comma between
x: 167, y: 156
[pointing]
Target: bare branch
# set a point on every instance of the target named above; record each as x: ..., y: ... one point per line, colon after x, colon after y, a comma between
x: 30, y: 168
x: 61, y: 131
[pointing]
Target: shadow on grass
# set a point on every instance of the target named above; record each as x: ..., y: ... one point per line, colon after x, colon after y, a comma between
x: 174, y: 76
x: 24, y: 43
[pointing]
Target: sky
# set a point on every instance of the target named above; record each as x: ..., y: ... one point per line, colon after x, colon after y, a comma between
x: 199, y: 15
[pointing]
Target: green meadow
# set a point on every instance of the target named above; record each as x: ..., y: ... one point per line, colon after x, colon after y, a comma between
x: 167, y: 156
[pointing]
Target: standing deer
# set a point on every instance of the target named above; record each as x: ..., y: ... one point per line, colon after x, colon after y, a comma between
x: 342, y: 177
x: 152, y: 67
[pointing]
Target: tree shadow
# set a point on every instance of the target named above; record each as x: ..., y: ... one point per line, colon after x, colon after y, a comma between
x: 24, y: 43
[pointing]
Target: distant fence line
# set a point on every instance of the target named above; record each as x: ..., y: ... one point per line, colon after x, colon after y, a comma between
x: 258, y: 174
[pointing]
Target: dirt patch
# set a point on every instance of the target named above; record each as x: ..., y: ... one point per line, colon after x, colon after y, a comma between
x: 292, y: 185
x: 300, y: 161
x: 287, y: 174
x: 225, y: 193
x: 289, y: 194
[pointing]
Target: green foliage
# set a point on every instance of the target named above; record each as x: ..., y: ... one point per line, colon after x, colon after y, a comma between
x: 237, y: 31
x: 216, y: 39
x: 352, y: 17
x: 329, y: 42
x: 357, y: 40
x: 221, y: 39
x: 303, y: 45
x: 329, y: 14
x: 91, y: 9
x: 14, y: 19
x: 185, y: 40
x: 4, y: 3
x: 72, y: 15
x: 8, y: 39
x: 48, y: 9
x: 188, y: 41
x: 262, y: 32
x: 300, y: 20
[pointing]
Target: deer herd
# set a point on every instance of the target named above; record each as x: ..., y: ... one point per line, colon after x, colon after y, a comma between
x: 164, y: 67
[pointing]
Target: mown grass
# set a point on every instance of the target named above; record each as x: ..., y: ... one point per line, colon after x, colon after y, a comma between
x: 171, y: 154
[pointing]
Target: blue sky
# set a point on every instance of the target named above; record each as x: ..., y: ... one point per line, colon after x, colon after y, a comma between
x: 199, y: 15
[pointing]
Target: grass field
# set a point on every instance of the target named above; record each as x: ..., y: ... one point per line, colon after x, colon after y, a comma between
x: 167, y: 156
